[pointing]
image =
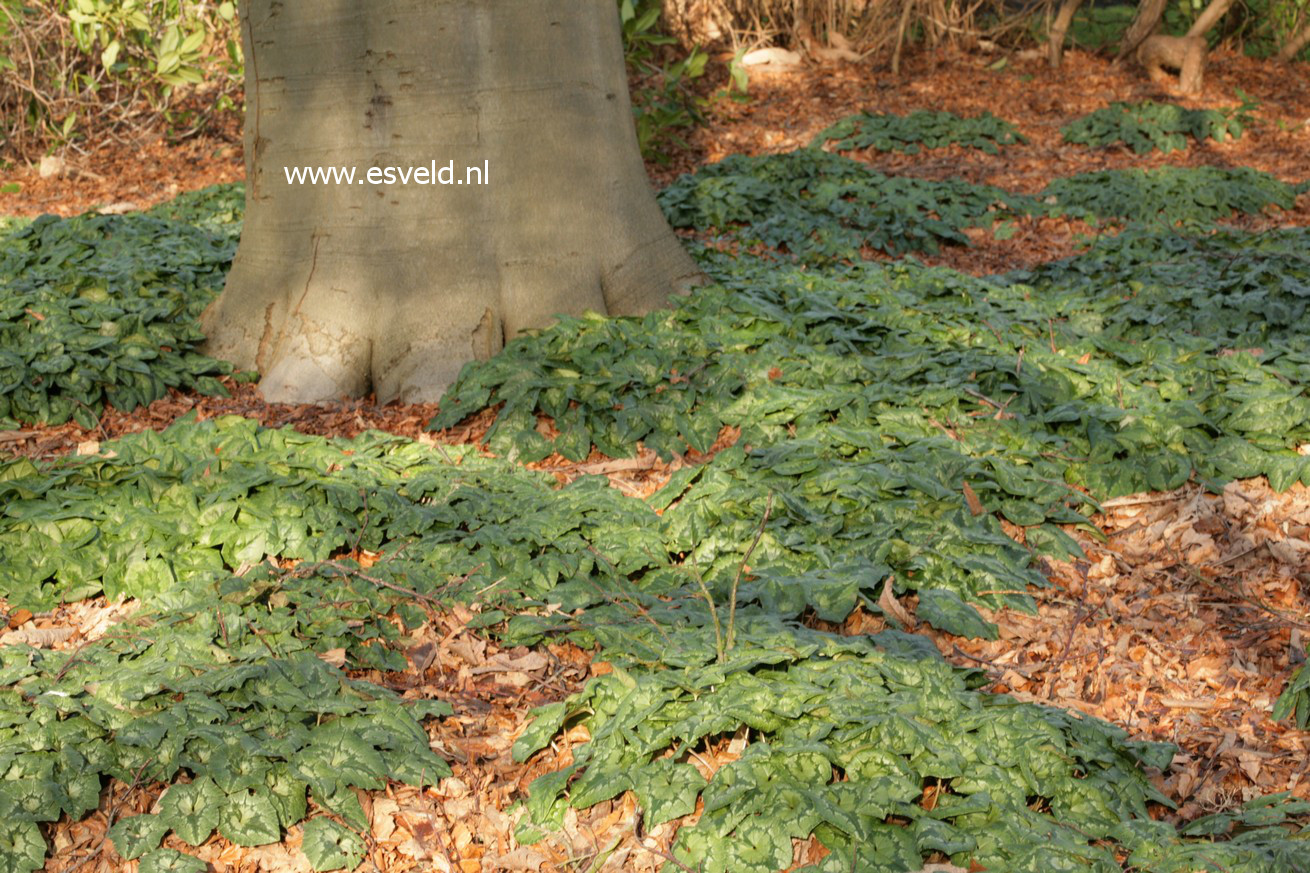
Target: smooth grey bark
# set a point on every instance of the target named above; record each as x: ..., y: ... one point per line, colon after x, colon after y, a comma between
x: 1293, y: 46
x: 1209, y: 17
x: 1059, y: 29
x: 347, y: 289
x: 1149, y: 15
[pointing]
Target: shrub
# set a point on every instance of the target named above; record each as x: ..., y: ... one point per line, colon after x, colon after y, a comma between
x: 112, y: 67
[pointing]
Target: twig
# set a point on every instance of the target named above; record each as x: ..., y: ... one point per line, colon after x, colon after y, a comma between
x: 1052, y: 671
x: 1120, y: 502
x: 655, y: 850
x: 363, y: 525
x: 1000, y: 408
x: 732, y: 609
x: 601, y: 468
x: 1197, y: 577
x: 72, y: 659
x: 110, y: 815
x: 309, y: 569
x: 1240, y: 555
x: 963, y: 654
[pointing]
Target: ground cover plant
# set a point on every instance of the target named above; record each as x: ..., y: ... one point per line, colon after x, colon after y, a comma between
x: 1197, y: 196
x: 1150, y: 126
x: 102, y: 309
x: 818, y: 207
x: 889, y: 417
x: 887, y: 132
x: 255, y: 704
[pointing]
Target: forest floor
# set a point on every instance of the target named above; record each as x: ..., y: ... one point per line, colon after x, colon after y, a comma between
x: 1190, y: 614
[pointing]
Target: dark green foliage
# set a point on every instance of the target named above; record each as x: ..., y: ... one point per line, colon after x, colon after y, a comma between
x: 925, y: 128
x: 866, y: 397
x: 102, y: 309
x: 1094, y: 27
x: 1241, y: 290
x: 1167, y: 195
x: 1150, y: 126
x: 329, y: 846
x: 217, y: 209
x: 876, y: 354
x: 869, y: 396
x: 1295, y: 699
x: 819, y: 207
x: 224, y: 684
x: 845, y: 765
x: 221, y: 680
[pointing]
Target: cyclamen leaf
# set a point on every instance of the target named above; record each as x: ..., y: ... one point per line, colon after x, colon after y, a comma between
x: 132, y: 837
x: 945, y: 610
x: 193, y: 809
x: 287, y: 794
x: 667, y: 790
x: 329, y: 846
x: 22, y: 848
x: 250, y: 819
x: 546, y: 722
x: 171, y: 861
x: 345, y: 803
x: 340, y: 756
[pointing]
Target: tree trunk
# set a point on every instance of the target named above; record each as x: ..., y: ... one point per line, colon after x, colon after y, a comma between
x: 1209, y: 18
x: 1059, y: 29
x: 1294, y: 45
x: 350, y: 288
x: 1186, y: 54
x: 902, y: 30
x: 1144, y: 24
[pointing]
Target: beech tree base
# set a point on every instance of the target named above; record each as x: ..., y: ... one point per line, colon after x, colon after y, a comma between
x: 347, y: 289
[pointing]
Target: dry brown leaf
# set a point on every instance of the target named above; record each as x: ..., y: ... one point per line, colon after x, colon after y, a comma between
x: 335, y: 657
x: 503, y: 663
x: 971, y: 498
x: 522, y: 858
x: 38, y: 637
x: 275, y: 859
x: 469, y: 649
x: 891, y: 606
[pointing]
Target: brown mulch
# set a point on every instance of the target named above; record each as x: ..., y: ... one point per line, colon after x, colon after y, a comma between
x: 1183, y: 624
x: 145, y: 175
x: 346, y: 418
